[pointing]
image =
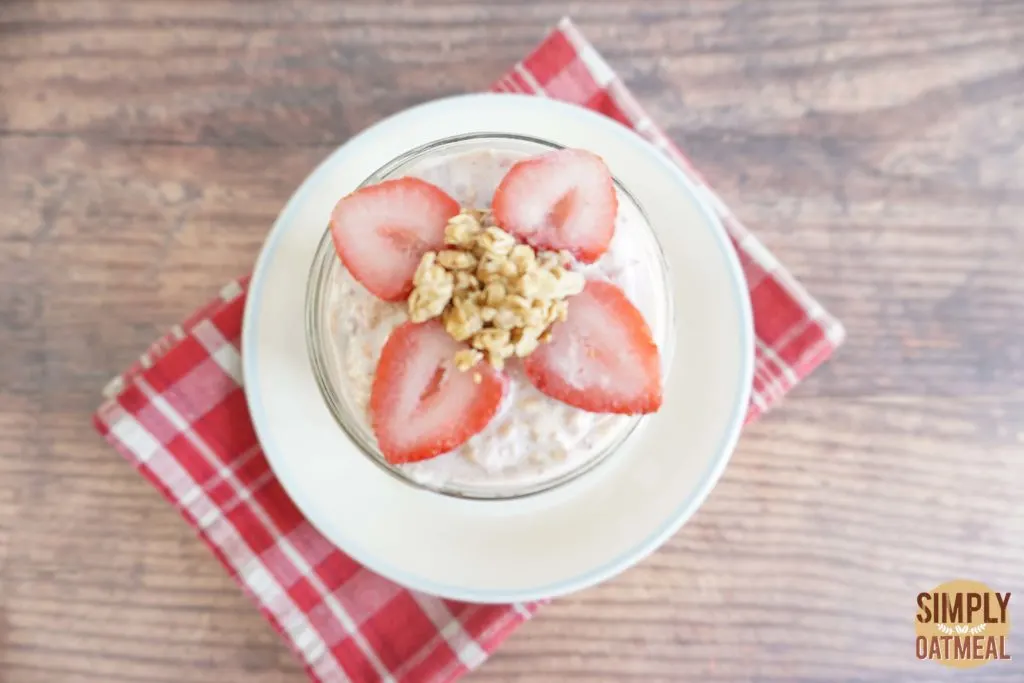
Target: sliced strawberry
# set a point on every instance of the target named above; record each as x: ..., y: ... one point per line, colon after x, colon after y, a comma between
x: 381, y: 231
x: 561, y: 200
x: 421, y: 405
x: 602, y: 359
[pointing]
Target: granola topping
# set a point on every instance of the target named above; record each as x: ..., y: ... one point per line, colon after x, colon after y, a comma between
x: 497, y: 295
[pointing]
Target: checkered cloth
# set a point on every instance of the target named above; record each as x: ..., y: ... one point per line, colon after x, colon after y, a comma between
x: 179, y: 415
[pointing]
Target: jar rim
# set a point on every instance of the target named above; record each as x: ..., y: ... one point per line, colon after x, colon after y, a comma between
x: 321, y: 275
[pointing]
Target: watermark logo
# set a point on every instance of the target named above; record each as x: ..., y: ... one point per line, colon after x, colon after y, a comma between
x: 963, y: 624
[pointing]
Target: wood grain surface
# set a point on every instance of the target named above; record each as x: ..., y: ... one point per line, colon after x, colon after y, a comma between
x: 876, y: 146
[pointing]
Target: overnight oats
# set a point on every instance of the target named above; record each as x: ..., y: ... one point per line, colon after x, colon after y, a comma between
x: 488, y: 315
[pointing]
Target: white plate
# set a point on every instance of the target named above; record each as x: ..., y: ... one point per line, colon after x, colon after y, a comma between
x: 552, y: 543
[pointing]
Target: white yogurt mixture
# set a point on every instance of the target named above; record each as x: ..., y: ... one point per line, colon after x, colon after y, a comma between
x: 534, y: 439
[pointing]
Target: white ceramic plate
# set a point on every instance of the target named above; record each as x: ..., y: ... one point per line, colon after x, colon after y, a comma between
x: 552, y: 543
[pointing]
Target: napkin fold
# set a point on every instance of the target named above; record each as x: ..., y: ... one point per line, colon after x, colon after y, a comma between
x: 179, y: 416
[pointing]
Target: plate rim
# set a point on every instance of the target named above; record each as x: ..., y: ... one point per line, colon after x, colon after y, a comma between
x: 681, y: 513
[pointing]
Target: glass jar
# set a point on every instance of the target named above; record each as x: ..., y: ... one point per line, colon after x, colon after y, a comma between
x: 535, y: 443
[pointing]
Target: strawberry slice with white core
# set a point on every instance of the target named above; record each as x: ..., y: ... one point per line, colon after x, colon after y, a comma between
x: 421, y: 405
x: 382, y: 231
x: 560, y: 200
x: 602, y: 359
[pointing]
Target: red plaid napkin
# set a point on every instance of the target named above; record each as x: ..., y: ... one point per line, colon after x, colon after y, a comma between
x: 179, y: 415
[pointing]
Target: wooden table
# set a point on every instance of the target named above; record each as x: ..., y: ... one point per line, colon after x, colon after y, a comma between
x: 876, y: 147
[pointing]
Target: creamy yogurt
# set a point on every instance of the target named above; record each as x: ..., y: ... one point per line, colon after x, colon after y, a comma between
x: 534, y: 439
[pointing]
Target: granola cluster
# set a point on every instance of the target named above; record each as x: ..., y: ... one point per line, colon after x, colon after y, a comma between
x: 499, y: 296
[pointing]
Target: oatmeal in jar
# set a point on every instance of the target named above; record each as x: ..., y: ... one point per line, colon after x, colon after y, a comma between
x: 514, y: 343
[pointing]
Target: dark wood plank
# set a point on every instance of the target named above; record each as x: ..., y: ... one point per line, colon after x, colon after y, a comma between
x: 876, y: 148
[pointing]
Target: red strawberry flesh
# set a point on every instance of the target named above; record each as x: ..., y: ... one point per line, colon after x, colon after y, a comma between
x: 421, y: 405
x: 602, y: 359
x: 560, y: 200
x: 382, y: 231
